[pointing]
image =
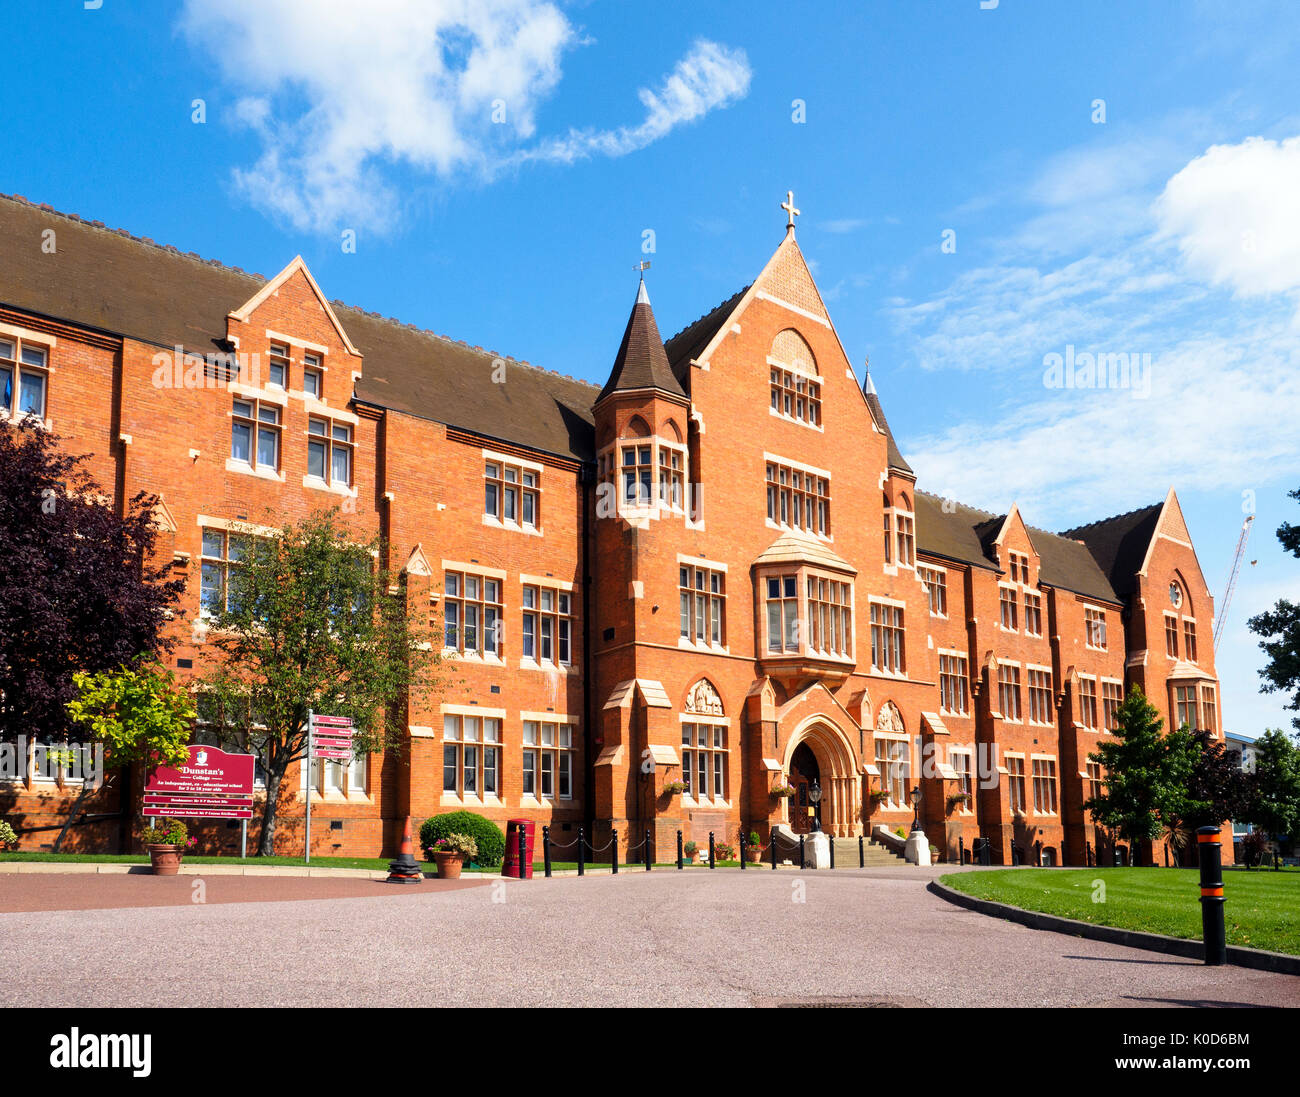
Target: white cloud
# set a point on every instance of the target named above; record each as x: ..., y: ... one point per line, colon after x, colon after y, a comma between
x: 340, y: 95
x: 709, y: 77
x: 1235, y: 215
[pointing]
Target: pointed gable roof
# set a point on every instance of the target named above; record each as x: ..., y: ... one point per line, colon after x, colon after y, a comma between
x: 297, y: 266
x: 1119, y: 544
x: 897, y: 462
x: 690, y: 342
x: 641, y: 362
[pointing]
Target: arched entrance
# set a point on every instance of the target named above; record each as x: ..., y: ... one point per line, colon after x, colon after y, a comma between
x: 804, y: 773
x: 818, y: 750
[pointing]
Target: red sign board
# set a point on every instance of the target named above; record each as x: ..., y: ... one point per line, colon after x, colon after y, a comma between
x: 332, y: 721
x: 212, y: 784
x: 331, y: 737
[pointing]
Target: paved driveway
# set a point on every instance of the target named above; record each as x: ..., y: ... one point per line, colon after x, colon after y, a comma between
x: 661, y: 938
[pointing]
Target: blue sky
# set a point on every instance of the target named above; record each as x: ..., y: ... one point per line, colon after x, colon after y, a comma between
x: 1168, y: 229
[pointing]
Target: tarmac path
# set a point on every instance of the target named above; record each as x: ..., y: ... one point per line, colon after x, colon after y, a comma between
x: 665, y: 938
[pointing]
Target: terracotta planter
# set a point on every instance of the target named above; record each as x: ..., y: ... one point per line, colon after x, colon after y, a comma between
x: 753, y: 854
x: 449, y: 865
x: 691, y: 858
x: 165, y: 860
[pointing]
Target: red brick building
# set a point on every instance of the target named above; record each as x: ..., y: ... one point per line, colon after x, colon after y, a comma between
x: 716, y: 571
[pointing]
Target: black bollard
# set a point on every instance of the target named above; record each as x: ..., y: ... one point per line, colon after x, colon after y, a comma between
x: 961, y: 850
x: 802, y: 862
x: 862, y: 852
x: 648, y: 859
x: 679, y: 851
x: 546, y: 849
x: 1087, y: 853
x: 613, y: 850
x: 771, y: 839
x: 831, y: 841
x: 711, y: 861
x: 1038, y: 854
x: 581, y: 853
x: 525, y: 866
x: 1216, y: 943
x: 742, y: 849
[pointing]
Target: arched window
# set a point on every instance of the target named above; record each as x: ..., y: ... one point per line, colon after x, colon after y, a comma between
x: 794, y: 382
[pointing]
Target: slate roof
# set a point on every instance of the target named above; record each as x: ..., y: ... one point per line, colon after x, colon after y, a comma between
x: 111, y: 281
x: 1119, y: 544
x: 641, y: 362
x: 954, y: 531
x: 896, y: 459
x: 691, y: 340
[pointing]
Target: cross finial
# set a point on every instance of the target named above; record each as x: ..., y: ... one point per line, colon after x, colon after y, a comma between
x: 792, y: 213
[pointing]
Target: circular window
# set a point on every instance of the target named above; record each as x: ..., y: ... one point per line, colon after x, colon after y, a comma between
x: 1175, y: 595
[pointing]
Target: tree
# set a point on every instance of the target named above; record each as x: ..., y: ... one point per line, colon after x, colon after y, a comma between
x: 310, y: 621
x: 1280, y: 629
x: 139, y: 713
x: 1274, y: 796
x: 1147, y: 774
x: 1215, y: 791
x: 77, y: 589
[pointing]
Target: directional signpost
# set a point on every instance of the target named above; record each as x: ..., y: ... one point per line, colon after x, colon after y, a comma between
x: 329, y: 738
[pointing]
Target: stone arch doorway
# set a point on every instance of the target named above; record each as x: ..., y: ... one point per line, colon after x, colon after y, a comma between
x: 818, y: 749
x: 804, y: 773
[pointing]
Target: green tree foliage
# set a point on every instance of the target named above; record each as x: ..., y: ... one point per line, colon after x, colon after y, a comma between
x: 1147, y: 774
x: 1274, y: 800
x: 312, y: 622
x: 491, y: 841
x: 139, y: 713
x: 1280, y: 632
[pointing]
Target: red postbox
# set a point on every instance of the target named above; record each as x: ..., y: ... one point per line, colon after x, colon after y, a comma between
x: 514, y: 827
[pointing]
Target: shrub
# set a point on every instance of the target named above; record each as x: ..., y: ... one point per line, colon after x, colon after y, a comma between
x: 489, y: 838
x: 690, y: 849
x: 724, y: 851
x: 8, y: 839
x: 167, y: 832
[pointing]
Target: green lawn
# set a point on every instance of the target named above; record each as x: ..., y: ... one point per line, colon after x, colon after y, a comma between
x: 1262, y: 908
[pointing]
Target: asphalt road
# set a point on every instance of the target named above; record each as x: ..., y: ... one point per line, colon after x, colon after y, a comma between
x: 658, y: 939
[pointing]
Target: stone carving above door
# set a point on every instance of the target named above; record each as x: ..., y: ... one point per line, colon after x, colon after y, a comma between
x: 703, y: 699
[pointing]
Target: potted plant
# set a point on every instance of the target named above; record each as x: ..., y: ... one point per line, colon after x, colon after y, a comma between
x: 724, y: 851
x: 673, y: 788
x: 689, y: 851
x: 957, y: 801
x: 451, y: 853
x: 754, y: 850
x: 877, y: 796
x: 167, y: 840
x: 8, y: 839
x: 782, y: 789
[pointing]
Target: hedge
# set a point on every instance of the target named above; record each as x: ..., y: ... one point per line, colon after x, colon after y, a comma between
x: 491, y: 841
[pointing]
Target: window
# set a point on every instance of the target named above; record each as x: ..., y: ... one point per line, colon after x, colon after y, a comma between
x: 1185, y: 706
x: 1095, y: 627
x: 313, y: 380
x: 636, y: 474
x: 471, y: 755
x: 798, y: 499
x: 1019, y: 567
x: 795, y: 396
x: 704, y: 760
x: 255, y: 434
x: 511, y: 494
x: 960, y: 761
x: 277, y: 368
x: 1088, y: 702
x: 1044, y: 786
x: 473, y: 615
x: 891, y: 760
x: 887, y: 650
x: 1040, y: 696
x: 1009, y: 692
x: 672, y: 483
x: 1007, y: 600
x: 830, y: 616
x: 936, y: 589
x: 1112, y: 696
x: 1189, y: 639
x: 1210, y: 708
x: 1171, y: 635
x: 548, y: 625
x: 701, y: 604
x: 219, y: 557
x: 1094, y: 780
x: 548, y: 760
x: 952, y: 683
x: 1016, y: 782
x: 228, y: 731
x: 783, y: 613
x: 889, y: 537
x: 905, y: 527
x: 337, y: 778
x: 1033, y: 614
x: 1175, y: 594
x: 24, y: 371
x: 329, y: 452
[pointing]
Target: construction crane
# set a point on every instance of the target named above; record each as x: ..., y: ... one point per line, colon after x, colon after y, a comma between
x: 1222, y: 615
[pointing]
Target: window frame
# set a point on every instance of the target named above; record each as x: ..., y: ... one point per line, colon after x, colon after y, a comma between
x: 16, y: 369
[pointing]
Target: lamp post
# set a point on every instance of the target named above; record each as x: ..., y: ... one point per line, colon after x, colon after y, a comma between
x: 815, y: 795
x: 915, y: 797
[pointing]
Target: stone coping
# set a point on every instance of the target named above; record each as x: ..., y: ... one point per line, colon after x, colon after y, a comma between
x: 1187, y: 947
